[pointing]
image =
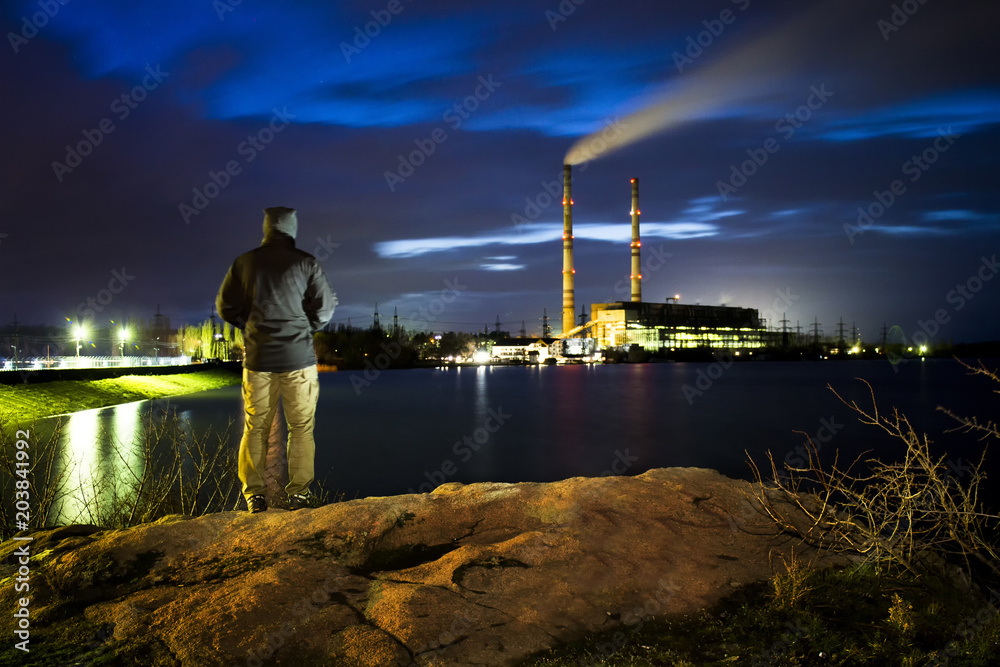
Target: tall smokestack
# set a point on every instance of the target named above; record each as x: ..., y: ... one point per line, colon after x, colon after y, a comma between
x: 636, y: 270
x: 569, y: 303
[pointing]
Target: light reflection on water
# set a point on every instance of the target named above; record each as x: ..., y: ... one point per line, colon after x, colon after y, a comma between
x: 99, y: 450
x: 401, y: 431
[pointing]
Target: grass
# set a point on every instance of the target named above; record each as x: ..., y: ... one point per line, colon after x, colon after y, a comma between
x: 23, y: 404
x: 852, y: 616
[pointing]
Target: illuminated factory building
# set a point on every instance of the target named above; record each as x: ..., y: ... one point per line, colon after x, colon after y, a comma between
x: 651, y: 326
x: 655, y: 326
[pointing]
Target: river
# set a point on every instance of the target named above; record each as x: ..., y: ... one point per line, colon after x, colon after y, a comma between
x: 409, y: 430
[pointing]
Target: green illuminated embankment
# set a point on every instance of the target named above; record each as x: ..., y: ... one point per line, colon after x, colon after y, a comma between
x: 27, y: 402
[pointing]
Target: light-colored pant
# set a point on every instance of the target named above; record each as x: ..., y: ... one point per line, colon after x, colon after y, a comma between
x: 299, y: 392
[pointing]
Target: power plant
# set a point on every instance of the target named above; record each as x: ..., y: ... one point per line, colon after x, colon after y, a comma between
x: 650, y: 326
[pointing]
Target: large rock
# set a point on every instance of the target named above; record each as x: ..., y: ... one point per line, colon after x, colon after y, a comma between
x: 483, y: 574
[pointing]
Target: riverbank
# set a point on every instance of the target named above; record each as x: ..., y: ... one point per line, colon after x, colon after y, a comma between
x: 23, y: 404
x: 485, y: 574
x: 675, y: 566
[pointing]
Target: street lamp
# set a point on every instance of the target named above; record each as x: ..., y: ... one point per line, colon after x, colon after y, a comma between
x: 123, y: 335
x: 80, y: 333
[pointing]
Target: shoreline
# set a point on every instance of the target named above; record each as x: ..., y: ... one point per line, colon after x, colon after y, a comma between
x: 24, y: 404
x: 674, y: 566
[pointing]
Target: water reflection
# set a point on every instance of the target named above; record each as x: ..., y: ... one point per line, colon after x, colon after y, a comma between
x: 481, y: 394
x: 563, y: 421
x: 100, y: 456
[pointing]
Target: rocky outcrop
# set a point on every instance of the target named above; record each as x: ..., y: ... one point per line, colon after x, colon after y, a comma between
x: 479, y: 574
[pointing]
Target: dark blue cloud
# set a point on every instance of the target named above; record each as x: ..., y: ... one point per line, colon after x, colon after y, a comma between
x: 958, y: 112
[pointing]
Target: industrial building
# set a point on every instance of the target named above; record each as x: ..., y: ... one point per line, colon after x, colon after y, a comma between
x: 657, y: 326
x: 651, y: 326
x: 520, y: 350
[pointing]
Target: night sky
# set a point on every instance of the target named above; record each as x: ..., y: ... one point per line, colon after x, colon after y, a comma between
x: 142, y: 140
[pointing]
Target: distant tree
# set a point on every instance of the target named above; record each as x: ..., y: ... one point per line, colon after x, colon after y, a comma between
x: 207, y: 339
x: 227, y: 341
x: 457, y: 344
x: 237, y: 344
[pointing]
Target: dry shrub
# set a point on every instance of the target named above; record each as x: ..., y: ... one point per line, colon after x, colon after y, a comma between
x: 913, y: 514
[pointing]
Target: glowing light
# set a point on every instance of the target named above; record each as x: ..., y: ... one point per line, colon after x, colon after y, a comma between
x: 481, y: 356
x: 80, y: 460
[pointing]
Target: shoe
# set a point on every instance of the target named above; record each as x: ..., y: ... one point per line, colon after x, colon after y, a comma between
x: 299, y: 500
x: 256, y: 504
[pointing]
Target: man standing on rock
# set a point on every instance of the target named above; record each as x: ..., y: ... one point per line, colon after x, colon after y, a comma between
x: 279, y: 296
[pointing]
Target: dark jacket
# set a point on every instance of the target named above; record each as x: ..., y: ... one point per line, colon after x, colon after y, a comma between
x: 279, y: 296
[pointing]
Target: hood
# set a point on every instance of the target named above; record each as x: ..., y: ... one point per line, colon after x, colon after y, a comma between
x: 280, y: 219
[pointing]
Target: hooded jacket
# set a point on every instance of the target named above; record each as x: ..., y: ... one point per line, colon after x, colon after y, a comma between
x: 279, y: 296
